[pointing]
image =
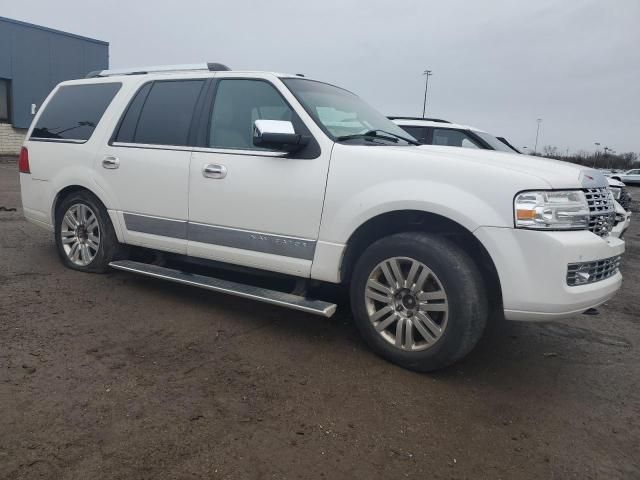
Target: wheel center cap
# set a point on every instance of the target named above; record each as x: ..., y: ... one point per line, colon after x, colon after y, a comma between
x: 409, y: 302
x: 81, y: 232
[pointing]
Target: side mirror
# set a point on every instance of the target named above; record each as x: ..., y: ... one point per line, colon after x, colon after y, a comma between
x: 277, y: 135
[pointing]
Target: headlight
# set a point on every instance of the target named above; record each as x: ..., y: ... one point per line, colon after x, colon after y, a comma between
x: 617, y: 191
x: 552, y: 210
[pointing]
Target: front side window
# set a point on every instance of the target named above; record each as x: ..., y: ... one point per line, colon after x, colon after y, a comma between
x: 453, y: 138
x: 161, y: 113
x: 74, y: 112
x: 419, y: 133
x: 339, y: 112
x: 238, y: 104
x: 4, y: 100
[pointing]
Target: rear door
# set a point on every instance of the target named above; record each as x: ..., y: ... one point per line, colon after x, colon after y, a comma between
x: 263, y: 208
x: 145, y: 166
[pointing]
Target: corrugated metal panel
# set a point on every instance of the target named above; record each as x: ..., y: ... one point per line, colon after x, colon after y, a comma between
x: 36, y: 59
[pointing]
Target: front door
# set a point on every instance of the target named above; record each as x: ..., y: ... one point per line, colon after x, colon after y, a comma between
x: 248, y: 205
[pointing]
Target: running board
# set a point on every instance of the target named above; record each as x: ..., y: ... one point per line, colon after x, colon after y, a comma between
x: 288, y: 300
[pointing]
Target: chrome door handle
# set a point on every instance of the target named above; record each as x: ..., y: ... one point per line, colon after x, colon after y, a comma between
x: 110, y: 162
x: 213, y: 170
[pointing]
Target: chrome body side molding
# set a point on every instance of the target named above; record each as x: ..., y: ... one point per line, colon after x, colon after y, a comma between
x: 294, y: 247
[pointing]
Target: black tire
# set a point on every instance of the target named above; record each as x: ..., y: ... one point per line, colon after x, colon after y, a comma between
x: 460, y: 279
x: 109, y: 248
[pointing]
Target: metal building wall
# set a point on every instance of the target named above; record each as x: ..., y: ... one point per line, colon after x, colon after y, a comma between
x: 35, y: 59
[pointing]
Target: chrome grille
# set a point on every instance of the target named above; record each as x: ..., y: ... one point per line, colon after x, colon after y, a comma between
x: 589, y: 272
x: 601, y: 209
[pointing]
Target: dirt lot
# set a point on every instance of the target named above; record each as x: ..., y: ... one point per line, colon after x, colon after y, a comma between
x: 121, y: 377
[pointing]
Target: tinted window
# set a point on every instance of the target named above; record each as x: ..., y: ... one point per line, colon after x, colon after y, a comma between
x: 4, y: 100
x: 167, y: 112
x: 453, y: 138
x: 127, y: 129
x: 238, y: 104
x: 419, y: 133
x: 74, y: 111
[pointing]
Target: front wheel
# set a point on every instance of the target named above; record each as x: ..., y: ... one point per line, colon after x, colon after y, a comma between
x: 418, y: 300
x: 85, y: 237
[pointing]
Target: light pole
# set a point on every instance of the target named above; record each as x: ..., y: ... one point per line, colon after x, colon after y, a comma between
x: 611, y: 151
x: 535, y: 148
x: 595, y: 157
x: 427, y: 74
x: 604, y: 154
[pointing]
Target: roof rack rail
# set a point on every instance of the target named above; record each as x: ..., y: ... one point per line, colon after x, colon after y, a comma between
x: 211, y: 67
x: 439, y: 120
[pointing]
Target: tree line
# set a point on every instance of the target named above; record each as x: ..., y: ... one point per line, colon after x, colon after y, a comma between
x: 600, y: 159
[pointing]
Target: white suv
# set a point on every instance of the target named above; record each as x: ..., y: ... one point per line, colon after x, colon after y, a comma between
x: 293, y: 176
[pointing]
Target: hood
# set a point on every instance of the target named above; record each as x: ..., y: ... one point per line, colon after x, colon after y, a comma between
x: 556, y: 173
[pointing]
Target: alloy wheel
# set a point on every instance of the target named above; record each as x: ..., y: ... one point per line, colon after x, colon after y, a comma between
x: 406, y: 303
x: 80, y: 234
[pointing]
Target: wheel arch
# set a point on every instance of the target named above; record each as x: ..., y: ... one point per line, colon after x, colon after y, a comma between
x: 398, y: 221
x: 64, y: 192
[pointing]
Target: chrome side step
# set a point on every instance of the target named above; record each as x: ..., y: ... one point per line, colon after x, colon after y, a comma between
x: 295, y: 302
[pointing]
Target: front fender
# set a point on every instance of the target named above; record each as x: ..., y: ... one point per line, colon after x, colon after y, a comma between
x: 446, y: 200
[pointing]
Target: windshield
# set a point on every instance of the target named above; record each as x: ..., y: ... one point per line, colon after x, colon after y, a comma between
x: 340, y: 113
x: 494, y: 143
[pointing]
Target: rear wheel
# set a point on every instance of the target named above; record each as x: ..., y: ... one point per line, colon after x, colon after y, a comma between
x: 418, y: 300
x: 85, y: 237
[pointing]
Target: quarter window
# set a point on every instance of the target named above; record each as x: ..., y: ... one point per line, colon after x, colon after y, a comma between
x: 238, y: 104
x: 74, y: 111
x: 166, y: 115
x: 4, y: 100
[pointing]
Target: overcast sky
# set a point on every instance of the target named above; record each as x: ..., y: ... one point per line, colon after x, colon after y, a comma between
x: 498, y: 65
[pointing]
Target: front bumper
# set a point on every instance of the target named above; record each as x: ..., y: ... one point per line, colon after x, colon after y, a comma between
x: 532, y: 267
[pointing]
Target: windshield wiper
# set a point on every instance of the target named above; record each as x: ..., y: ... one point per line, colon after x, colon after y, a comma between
x: 392, y: 137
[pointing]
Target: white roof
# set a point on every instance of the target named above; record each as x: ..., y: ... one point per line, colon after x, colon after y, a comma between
x: 427, y: 123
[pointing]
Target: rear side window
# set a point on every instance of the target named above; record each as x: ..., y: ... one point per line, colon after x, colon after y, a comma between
x: 74, y: 112
x: 161, y: 113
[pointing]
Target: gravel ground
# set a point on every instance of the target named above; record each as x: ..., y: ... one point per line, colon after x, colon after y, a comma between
x: 122, y: 377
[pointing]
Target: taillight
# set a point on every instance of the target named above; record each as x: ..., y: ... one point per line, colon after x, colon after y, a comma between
x: 23, y: 161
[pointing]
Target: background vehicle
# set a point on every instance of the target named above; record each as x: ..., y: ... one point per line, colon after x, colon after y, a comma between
x: 434, y: 131
x: 302, y: 180
x: 631, y: 177
x: 442, y: 132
